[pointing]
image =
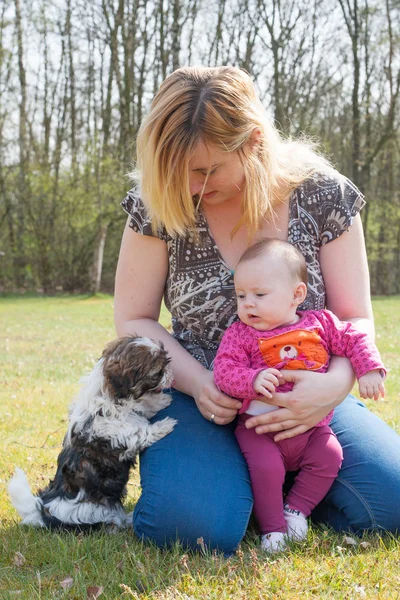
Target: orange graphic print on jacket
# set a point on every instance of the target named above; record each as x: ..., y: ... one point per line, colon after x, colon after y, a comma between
x: 298, y: 349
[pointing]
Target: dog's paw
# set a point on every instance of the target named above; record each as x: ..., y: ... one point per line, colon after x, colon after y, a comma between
x: 129, y: 519
x: 162, y: 428
x: 164, y: 401
x: 122, y: 522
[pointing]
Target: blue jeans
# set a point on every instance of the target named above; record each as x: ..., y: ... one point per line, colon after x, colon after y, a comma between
x: 195, y: 482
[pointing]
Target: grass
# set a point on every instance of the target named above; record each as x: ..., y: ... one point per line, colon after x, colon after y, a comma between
x: 46, y: 345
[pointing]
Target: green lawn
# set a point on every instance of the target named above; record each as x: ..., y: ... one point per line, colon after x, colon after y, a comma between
x: 46, y: 345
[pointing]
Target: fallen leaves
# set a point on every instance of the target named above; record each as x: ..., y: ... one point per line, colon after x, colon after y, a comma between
x: 349, y: 541
x: 19, y: 559
x: 66, y: 583
x: 94, y: 591
x: 360, y: 591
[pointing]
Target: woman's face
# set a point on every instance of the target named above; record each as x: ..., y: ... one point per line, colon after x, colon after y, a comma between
x: 226, y: 178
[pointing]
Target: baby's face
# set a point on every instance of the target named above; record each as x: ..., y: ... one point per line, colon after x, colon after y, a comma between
x: 266, y: 293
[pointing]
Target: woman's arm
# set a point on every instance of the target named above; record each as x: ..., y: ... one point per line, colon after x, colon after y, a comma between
x: 345, y: 270
x: 139, y: 286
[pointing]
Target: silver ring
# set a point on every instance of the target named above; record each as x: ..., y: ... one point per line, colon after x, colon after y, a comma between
x: 212, y: 418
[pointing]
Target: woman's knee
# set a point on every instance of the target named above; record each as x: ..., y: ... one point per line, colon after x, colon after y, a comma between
x: 358, y: 510
x: 195, y: 485
x: 366, y: 493
x: 195, y: 521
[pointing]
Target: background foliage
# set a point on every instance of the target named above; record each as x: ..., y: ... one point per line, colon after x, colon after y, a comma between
x: 76, y: 77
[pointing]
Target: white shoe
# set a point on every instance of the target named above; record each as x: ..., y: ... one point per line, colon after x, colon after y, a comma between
x: 296, y: 523
x: 273, y: 542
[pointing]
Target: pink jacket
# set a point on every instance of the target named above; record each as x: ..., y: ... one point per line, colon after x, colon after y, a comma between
x: 307, y: 344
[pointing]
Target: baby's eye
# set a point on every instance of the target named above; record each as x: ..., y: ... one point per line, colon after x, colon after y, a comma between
x: 260, y: 295
x: 240, y: 296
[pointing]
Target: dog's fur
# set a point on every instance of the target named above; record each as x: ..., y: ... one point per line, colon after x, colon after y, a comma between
x: 108, y: 426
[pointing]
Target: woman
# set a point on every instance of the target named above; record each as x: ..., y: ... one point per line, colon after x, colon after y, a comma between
x: 215, y: 175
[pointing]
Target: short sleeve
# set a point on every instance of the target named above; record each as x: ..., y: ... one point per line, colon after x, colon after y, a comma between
x: 140, y: 221
x: 339, y: 202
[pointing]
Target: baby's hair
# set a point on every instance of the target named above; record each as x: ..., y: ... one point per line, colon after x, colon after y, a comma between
x: 290, y: 255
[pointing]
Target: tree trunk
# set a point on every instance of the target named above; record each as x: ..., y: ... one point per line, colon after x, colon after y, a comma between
x: 98, y: 258
x: 22, y: 192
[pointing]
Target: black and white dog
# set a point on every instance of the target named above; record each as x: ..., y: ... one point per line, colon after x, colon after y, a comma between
x: 108, y: 426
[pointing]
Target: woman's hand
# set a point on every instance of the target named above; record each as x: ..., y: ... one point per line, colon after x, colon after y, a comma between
x: 210, y: 401
x: 314, y: 395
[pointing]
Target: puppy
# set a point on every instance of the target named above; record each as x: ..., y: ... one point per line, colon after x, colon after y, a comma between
x: 108, y: 426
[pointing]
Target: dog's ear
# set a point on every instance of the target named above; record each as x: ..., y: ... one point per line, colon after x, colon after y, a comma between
x: 111, y: 347
x: 124, y: 384
x: 136, y: 380
x: 133, y: 367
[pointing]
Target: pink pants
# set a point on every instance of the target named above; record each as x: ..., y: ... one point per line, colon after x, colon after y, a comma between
x: 316, y: 454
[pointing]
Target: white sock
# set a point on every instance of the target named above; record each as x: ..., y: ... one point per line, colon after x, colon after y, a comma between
x: 273, y: 542
x: 296, y: 522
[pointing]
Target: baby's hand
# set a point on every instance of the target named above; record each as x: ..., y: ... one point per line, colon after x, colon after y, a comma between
x: 266, y: 382
x: 371, y: 385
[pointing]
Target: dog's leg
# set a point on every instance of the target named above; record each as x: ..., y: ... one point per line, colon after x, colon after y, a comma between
x: 129, y: 519
x: 159, y: 429
x: 77, y: 511
x: 148, y: 435
x: 164, y: 401
x: 151, y: 404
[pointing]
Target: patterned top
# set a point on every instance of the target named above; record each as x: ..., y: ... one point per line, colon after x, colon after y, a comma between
x: 199, y: 291
x: 307, y: 344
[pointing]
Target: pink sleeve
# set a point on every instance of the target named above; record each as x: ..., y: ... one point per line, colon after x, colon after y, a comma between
x: 232, y: 372
x: 345, y: 340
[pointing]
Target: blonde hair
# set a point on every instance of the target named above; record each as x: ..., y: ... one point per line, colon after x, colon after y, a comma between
x: 220, y: 106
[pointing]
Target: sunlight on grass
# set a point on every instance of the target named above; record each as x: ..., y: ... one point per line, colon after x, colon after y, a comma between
x: 47, y: 344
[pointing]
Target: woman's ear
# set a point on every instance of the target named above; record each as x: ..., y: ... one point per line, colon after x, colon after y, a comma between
x: 255, y: 138
x: 300, y: 292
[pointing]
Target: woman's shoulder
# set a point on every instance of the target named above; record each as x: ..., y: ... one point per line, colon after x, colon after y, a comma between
x: 140, y: 221
x: 328, y: 188
x: 133, y: 205
x: 132, y: 199
x: 331, y: 201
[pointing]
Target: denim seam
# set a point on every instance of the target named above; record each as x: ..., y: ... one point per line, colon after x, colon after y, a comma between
x: 248, y: 520
x: 361, y: 499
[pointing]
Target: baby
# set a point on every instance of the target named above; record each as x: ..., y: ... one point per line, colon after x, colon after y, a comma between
x: 271, y: 336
